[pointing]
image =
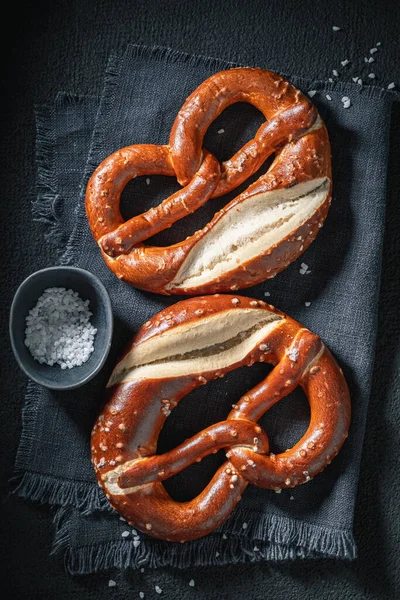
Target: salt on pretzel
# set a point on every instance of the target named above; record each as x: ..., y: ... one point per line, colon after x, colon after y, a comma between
x: 258, y: 233
x: 182, y: 348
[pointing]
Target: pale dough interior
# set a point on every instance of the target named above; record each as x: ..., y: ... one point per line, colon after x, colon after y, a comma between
x: 207, y: 344
x: 250, y: 229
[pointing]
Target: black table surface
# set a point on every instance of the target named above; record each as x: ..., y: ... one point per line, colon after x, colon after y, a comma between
x: 64, y: 45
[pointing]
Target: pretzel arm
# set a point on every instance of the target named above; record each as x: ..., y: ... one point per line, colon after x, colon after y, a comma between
x: 221, y: 435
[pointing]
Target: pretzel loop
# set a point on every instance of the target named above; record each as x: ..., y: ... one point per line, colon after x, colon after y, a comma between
x: 258, y: 233
x: 152, y: 378
x: 289, y: 114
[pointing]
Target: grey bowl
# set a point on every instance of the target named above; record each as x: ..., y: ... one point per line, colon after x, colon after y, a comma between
x: 89, y: 287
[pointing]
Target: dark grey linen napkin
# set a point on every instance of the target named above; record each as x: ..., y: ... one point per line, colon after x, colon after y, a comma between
x: 335, y: 296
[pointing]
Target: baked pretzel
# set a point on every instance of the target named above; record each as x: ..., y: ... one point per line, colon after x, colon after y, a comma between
x: 254, y: 236
x: 182, y: 348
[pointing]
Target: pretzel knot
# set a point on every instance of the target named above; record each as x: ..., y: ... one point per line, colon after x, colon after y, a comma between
x: 254, y: 236
x: 181, y: 348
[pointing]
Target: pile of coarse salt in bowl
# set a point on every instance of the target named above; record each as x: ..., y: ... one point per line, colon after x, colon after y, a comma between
x: 58, y: 329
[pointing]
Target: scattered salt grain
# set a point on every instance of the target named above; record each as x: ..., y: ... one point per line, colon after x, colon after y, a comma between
x: 136, y: 543
x: 191, y: 583
x: 371, y: 59
x: 335, y: 28
x: 58, y: 329
x: 141, y: 594
x: 291, y: 498
x: 378, y: 43
x: 221, y: 131
x: 303, y: 268
x: 371, y: 75
x: 112, y: 583
x: 307, y: 304
x: 158, y: 589
x: 328, y: 97
x: 346, y: 102
x: 335, y: 73
x: 244, y: 525
x: 217, y: 554
x: 373, y: 50
x: 311, y: 93
x: 125, y: 533
x: 344, y: 63
x: 267, y: 294
x: 391, y: 86
x: 147, y: 180
x: 366, y: 59
x: 359, y: 82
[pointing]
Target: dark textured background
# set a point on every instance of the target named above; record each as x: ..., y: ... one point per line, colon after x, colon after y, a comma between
x: 64, y: 45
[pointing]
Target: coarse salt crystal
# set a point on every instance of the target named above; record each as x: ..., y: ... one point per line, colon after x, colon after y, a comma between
x: 328, y: 97
x: 346, y: 101
x: 335, y: 28
x: 344, y: 62
x: 371, y: 75
x: 158, y: 589
x: 391, y: 86
x: 191, y: 583
x: 221, y: 131
x: 112, y: 583
x: 147, y: 180
x: 311, y: 93
x: 336, y: 74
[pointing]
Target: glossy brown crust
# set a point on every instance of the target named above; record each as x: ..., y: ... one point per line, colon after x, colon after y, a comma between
x: 301, y: 155
x: 126, y: 432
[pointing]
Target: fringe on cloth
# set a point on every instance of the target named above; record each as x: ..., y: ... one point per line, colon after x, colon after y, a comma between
x: 267, y: 538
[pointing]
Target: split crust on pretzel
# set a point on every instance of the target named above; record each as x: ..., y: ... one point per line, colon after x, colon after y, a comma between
x: 258, y: 233
x: 182, y: 348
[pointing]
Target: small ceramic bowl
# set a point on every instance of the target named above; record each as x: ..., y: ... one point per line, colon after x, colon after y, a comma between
x: 89, y: 287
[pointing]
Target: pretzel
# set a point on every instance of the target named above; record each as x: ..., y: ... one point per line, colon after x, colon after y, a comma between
x: 258, y: 233
x: 182, y: 348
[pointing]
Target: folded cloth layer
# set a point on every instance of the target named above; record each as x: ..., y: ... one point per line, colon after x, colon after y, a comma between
x: 332, y: 288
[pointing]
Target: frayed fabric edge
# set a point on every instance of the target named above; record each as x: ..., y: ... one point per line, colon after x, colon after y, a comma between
x: 46, y: 489
x: 70, y: 256
x: 46, y: 189
x: 267, y: 538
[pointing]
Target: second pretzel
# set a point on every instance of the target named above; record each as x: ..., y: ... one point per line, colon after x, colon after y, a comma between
x: 258, y: 233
